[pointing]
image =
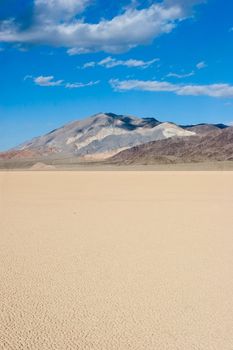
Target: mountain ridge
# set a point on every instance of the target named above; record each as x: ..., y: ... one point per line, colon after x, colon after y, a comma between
x: 104, y: 136
x: 97, y: 137
x: 214, y: 146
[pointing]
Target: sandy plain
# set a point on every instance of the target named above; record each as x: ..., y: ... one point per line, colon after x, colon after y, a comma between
x: 116, y: 260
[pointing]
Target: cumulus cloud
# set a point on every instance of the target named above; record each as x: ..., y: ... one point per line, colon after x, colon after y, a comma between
x: 56, y: 23
x: 185, y: 4
x: 110, y: 62
x: 201, y: 65
x: 58, y: 10
x: 212, y: 90
x: 48, y: 81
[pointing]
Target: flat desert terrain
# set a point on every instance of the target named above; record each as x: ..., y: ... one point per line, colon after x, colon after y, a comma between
x: 116, y: 260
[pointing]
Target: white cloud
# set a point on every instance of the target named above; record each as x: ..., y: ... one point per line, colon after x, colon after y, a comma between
x: 28, y: 77
x: 81, y: 85
x: 148, y: 85
x: 180, y: 76
x: 89, y: 65
x: 77, y: 51
x: 187, y: 4
x: 212, y: 90
x: 47, y: 81
x: 55, y: 23
x: 201, y: 65
x: 110, y: 62
x: 57, y: 10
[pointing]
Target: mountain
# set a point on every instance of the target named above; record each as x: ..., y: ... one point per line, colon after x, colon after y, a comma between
x: 204, y: 129
x: 216, y: 145
x: 97, y: 137
x: 127, y: 139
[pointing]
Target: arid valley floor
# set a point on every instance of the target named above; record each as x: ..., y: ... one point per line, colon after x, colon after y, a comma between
x: 116, y: 260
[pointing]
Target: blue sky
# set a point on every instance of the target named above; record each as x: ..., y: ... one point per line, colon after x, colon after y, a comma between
x: 63, y: 60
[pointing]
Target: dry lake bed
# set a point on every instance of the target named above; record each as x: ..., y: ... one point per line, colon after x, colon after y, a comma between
x: 116, y: 260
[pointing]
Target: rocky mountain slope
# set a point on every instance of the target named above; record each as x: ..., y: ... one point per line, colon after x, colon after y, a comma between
x: 212, y: 145
x: 98, y: 137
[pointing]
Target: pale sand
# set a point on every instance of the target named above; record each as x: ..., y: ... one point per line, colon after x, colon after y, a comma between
x: 116, y: 260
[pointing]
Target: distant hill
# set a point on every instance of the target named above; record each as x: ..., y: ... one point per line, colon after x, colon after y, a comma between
x: 210, y: 144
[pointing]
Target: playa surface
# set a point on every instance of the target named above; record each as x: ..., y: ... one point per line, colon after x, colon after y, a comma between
x: 116, y: 260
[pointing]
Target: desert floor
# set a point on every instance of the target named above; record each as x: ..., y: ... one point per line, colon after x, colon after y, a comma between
x: 116, y: 260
